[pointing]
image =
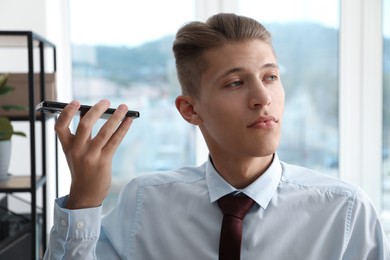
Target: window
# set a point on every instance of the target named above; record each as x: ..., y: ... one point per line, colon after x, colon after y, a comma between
x: 324, y: 49
x: 305, y: 38
x: 122, y: 52
x: 128, y: 58
x: 386, y: 115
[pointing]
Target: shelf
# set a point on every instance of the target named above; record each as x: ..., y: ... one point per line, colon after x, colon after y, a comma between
x: 20, y: 82
x: 32, y: 85
x: 18, y: 39
x: 15, y: 232
x: 20, y: 184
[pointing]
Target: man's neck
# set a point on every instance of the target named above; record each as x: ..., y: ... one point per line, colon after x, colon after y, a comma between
x: 241, y: 172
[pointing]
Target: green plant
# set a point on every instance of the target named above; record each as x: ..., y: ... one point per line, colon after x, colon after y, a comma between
x: 6, y: 129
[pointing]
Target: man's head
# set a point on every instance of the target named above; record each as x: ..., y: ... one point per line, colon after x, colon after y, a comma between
x: 231, y: 87
x: 194, y: 38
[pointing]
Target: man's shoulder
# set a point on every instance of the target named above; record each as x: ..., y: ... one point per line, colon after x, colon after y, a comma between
x: 314, y: 180
x: 187, y: 174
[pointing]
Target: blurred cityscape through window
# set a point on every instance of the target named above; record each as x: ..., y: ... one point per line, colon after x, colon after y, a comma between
x: 124, y: 53
x: 306, y: 41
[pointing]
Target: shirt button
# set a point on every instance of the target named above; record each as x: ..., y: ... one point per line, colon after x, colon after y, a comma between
x: 80, y: 225
x: 63, y: 222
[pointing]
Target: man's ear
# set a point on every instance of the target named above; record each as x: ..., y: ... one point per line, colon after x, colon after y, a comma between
x: 185, y: 106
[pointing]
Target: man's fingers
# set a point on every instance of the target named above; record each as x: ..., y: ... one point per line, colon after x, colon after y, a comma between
x: 110, y: 127
x: 87, y: 121
x: 65, y: 118
x: 117, y: 137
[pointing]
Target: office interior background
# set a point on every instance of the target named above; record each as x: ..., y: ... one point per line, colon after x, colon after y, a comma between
x: 334, y: 57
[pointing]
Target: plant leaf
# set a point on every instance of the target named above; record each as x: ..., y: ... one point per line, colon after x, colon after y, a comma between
x: 4, y: 90
x: 3, y: 80
x: 4, y: 135
x: 19, y: 133
x: 12, y: 107
x: 6, y: 128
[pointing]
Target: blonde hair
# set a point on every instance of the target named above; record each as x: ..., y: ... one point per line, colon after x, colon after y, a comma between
x: 195, y: 37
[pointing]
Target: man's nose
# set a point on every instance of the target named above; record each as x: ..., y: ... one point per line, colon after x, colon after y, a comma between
x: 259, y: 96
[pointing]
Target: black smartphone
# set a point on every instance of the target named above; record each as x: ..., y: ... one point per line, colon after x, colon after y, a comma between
x: 54, y: 107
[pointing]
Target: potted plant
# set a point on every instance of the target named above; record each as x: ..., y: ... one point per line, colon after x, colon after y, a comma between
x: 6, y: 129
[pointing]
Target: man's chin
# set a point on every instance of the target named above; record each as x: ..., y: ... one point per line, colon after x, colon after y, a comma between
x: 265, y: 150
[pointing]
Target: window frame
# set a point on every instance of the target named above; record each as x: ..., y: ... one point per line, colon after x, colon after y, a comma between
x: 360, y: 115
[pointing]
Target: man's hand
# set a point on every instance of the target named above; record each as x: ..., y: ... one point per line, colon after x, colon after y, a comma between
x: 90, y: 159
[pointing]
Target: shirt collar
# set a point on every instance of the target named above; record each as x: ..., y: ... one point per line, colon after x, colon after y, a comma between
x: 261, y: 190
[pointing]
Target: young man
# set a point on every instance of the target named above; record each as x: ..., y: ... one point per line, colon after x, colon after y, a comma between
x: 231, y: 89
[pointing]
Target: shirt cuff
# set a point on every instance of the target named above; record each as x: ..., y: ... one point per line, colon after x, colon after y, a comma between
x: 80, y: 224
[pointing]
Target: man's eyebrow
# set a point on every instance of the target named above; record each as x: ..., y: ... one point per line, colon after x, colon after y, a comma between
x: 230, y: 71
x: 271, y: 65
x: 238, y: 69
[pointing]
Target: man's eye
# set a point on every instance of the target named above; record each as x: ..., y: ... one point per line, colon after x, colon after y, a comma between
x: 271, y: 78
x: 235, y: 84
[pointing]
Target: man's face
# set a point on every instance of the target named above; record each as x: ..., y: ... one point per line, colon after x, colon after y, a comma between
x: 241, y: 100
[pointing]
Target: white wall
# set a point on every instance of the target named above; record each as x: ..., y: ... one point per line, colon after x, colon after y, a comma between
x: 23, y: 15
x: 49, y: 19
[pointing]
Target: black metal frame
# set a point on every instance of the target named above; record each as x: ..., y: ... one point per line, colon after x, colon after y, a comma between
x: 35, y: 183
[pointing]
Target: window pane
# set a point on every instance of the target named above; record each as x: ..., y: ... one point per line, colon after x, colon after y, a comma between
x: 305, y: 38
x: 122, y: 51
x: 386, y: 115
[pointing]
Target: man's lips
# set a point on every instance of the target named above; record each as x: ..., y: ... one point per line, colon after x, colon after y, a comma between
x: 264, y: 122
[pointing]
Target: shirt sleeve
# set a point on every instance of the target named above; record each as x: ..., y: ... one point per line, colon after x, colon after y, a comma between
x: 76, y: 234
x: 367, y: 239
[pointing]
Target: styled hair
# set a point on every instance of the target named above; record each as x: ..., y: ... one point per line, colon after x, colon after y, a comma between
x: 194, y: 38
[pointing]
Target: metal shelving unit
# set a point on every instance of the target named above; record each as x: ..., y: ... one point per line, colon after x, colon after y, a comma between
x: 34, y: 182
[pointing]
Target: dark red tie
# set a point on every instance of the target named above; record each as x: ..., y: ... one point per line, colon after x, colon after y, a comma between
x: 234, y: 209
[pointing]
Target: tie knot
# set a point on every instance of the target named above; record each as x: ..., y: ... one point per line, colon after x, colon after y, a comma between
x: 236, y: 206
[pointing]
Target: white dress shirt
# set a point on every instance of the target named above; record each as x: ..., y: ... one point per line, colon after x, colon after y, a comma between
x: 299, y: 214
